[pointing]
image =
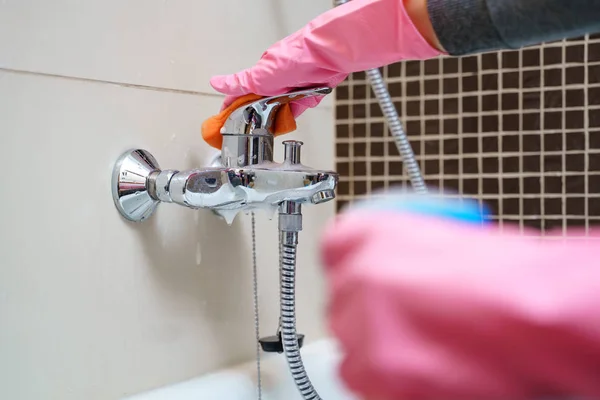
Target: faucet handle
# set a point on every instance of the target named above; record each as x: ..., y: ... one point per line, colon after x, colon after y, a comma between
x: 293, y: 96
x: 257, y: 117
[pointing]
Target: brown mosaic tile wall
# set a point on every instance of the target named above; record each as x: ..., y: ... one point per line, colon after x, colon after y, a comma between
x: 519, y: 130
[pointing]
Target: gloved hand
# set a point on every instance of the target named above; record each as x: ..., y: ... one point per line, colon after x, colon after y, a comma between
x: 356, y: 36
x: 428, y: 305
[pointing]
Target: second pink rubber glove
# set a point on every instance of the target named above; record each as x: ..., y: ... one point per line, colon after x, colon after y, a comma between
x: 435, y: 308
x: 356, y: 36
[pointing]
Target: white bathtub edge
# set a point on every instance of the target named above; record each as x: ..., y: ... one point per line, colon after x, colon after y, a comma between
x: 321, y: 359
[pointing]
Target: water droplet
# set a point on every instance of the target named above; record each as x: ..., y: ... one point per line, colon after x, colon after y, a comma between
x: 269, y: 210
x: 198, y: 254
x: 273, y: 211
x: 228, y: 215
x: 173, y: 137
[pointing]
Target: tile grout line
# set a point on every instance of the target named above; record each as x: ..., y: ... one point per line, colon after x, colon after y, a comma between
x: 115, y: 83
x: 126, y: 85
x: 520, y: 109
x: 563, y: 90
x: 586, y: 127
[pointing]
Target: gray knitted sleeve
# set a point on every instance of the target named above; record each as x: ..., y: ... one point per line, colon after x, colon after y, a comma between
x: 474, y: 26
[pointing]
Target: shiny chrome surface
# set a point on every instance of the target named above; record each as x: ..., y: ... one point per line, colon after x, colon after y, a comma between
x: 248, y: 132
x: 243, y: 178
x: 215, y: 161
x: 227, y: 191
x: 290, y: 220
x: 244, y: 150
x: 292, y: 151
x: 230, y: 190
x: 129, y: 185
x: 323, y: 196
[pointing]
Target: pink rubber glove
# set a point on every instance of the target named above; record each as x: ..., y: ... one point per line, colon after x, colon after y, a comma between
x: 431, y: 308
x: 356, y: 36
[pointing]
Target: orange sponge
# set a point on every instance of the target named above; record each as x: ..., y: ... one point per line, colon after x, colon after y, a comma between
x: 283, y: 123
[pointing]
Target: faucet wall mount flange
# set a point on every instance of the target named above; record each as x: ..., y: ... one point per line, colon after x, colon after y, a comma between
x: 130, y: 185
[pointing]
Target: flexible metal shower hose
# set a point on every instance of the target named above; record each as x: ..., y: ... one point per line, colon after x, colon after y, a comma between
x: 288, y: 318
x: 395, y: 125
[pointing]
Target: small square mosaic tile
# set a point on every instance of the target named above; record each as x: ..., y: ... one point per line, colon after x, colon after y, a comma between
x: 518, y: 130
